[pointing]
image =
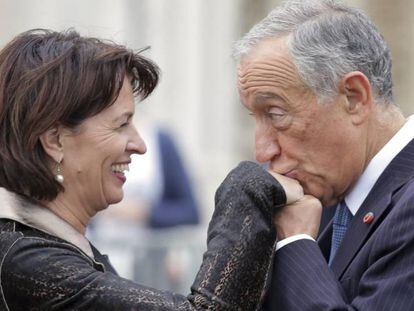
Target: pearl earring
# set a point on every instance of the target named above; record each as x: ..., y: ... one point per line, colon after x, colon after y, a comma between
x: 58, y: 176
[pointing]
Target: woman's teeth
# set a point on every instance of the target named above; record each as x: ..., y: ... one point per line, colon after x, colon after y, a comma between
x: 119, y: 168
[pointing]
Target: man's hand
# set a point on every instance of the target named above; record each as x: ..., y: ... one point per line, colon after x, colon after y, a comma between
x: 293, y: 189
x: 300, y: 217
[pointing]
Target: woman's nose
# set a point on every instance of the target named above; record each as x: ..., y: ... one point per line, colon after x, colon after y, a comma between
x: 136, y: 144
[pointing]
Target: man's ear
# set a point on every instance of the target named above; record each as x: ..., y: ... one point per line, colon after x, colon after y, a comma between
x: 51, y: 142
x: 359, y: 98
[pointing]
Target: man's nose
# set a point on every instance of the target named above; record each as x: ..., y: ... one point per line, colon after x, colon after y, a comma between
x: 267, y: 146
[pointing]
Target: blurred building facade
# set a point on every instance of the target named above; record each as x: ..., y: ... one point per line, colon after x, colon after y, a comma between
x: 191, y: 40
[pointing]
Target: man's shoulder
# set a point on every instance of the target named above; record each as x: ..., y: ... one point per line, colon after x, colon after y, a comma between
x: 400, y: 213
x: 404, y: 194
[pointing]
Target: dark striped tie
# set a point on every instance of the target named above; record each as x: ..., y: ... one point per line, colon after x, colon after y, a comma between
x: 341, y: 221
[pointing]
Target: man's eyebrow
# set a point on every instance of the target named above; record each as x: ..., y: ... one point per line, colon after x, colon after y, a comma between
x: 266, y: 96
x: 261, y: 98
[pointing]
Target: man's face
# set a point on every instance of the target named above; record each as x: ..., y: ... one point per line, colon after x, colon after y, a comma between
x: 317, y: 144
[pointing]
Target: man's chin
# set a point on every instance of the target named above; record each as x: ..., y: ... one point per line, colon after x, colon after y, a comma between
x: 327, y: 202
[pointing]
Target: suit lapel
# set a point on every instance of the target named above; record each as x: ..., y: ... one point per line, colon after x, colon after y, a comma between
x: 325, y: 239
x: 398, y: 172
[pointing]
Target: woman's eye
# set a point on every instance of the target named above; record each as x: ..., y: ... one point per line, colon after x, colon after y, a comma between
x: 124, y: 124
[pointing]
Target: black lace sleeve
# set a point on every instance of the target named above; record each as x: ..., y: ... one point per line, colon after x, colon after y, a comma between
x: 240, y: 241
x: 38, y: 273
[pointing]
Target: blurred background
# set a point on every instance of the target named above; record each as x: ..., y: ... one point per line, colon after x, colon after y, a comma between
x: 194, y: 124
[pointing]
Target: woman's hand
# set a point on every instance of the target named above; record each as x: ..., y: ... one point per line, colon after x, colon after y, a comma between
x: 293, y: 189
x: 300, y: 217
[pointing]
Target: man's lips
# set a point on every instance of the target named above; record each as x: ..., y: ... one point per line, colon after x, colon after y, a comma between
x: 292, y: 174
x: 289, y: 172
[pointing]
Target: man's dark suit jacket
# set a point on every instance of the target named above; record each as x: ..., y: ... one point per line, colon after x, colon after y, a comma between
x: 374, y: 266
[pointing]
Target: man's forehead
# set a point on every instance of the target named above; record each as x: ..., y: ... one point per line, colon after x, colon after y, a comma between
x: 268, y: 74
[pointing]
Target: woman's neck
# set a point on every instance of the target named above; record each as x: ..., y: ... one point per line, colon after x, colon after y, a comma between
x: 72, y: 212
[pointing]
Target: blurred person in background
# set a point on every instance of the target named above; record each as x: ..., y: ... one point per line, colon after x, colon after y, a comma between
x: 316, y: 75
x: 66, y: 139
x: 158, y: 192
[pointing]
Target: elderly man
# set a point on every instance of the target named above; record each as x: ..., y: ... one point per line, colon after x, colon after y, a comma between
x: 316, y: 76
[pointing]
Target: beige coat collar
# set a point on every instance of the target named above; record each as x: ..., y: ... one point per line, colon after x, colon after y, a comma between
x: 17, y: 208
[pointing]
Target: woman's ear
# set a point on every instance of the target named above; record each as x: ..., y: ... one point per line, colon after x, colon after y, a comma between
x: 359, y: 98
x: 51, y: 142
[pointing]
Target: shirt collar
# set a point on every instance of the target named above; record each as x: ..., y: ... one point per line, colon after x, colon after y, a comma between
x: 377, y: 165
x: 17, y: 208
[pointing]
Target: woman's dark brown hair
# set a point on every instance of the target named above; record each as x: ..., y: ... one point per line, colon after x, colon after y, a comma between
x: 49, y: 78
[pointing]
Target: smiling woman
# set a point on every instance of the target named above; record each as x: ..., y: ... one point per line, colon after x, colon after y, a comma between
x: 114, y: 138
x: 66, y: 139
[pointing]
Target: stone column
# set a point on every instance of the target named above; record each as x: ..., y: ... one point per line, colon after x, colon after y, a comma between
x: 395, y: 21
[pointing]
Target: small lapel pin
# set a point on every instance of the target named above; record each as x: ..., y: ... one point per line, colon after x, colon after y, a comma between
x: 368, y: 218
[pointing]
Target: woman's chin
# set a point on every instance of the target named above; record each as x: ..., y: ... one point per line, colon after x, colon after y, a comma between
x: 114, y: 197
x: 117, y: 200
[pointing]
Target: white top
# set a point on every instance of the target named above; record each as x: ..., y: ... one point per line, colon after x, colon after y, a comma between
x: 358, y: 193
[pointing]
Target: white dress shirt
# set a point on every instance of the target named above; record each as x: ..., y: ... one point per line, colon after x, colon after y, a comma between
x: 358, y: 193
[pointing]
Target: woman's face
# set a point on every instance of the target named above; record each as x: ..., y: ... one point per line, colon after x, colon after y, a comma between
x: 96, y: 155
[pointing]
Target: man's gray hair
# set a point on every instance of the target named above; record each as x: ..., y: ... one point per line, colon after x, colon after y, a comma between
x: 327, y: 40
